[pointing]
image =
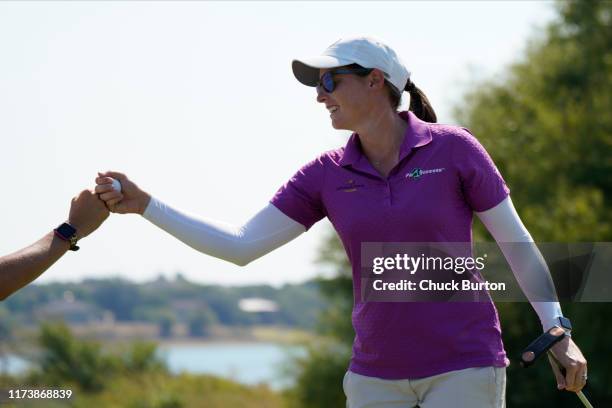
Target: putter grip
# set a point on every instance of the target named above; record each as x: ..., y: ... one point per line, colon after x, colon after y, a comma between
x: 539, y: 346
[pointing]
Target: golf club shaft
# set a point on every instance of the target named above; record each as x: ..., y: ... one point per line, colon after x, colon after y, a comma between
x: 584, y: 399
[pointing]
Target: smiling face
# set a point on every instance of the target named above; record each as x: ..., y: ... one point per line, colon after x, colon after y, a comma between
x: 349, y: 102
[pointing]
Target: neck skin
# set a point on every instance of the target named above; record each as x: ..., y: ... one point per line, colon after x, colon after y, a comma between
x: 381, y: 135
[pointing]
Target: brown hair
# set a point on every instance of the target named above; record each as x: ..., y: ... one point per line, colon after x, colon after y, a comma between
x: 419, y: 104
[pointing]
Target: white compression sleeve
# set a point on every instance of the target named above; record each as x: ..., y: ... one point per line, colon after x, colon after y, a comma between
x: 526, y: 261
x: 269, y: 229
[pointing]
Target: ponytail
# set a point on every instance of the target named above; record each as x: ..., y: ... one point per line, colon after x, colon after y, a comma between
x: 419, y: 104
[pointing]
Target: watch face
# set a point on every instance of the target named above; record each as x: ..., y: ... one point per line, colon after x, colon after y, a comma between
x: 565, y: 323
x: 66, y: 230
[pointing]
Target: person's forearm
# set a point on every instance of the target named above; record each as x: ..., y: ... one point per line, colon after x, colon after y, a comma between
x: 526, y: 261
x: 267, y: 230
x: 534, y: 278
x: 22, y: 267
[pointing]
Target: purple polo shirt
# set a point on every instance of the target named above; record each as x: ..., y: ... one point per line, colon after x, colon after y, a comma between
x: 442, y: 177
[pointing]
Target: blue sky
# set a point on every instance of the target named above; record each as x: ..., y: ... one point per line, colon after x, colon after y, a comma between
x: 196, y: 102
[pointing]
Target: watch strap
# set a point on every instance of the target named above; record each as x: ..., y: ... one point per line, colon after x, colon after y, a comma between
x: 67, y: 232
x: 565, y: 323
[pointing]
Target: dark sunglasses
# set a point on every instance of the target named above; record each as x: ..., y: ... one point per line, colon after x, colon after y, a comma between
x: 326, y: 82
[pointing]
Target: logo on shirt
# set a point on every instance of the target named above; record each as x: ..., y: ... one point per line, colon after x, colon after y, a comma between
x: 418, y: 172
x: 350, y: 186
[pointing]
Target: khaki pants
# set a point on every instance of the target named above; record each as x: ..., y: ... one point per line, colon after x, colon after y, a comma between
x: 479, y: 387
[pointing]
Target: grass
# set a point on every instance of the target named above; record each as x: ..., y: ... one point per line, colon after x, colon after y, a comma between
x: 160, y: 390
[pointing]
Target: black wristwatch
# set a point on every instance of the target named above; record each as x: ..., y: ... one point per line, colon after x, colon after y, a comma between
x: 565, y: 324
x: 67, y: 233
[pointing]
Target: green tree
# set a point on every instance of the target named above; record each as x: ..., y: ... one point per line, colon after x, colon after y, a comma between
x: 117, y: 295
x: 6, y: 328
x: 6, y: 325
x: 65, y: 359
x: 143, y: 357
x: 165, y: 322
x: 547, y: 125
x: 201, y: 322
x: 319, y: 373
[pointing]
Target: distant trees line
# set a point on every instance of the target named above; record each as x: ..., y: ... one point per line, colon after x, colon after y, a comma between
x: 164, y: 302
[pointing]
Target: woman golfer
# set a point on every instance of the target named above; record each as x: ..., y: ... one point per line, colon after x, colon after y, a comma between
x: 400, y: 178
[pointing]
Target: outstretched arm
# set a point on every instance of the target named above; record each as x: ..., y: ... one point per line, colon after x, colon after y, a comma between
x: 22, y: 267
x: 18, y: 269
x: 264, y: 232
x: 267, y: 230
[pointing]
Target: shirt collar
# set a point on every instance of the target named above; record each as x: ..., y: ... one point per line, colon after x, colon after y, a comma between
x: 417, y: 134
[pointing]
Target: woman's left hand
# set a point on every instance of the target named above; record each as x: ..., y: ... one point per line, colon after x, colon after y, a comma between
x: 570, y: 357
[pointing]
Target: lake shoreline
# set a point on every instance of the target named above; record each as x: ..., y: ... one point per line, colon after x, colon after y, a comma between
x: 248, y: 363
x: 121, y: 333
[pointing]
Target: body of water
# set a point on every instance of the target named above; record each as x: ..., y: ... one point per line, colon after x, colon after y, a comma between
x: 247, y: 363
x: 13, y: 364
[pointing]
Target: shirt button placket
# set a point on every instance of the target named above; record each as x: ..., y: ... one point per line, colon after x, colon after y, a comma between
x: 387, y: 194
